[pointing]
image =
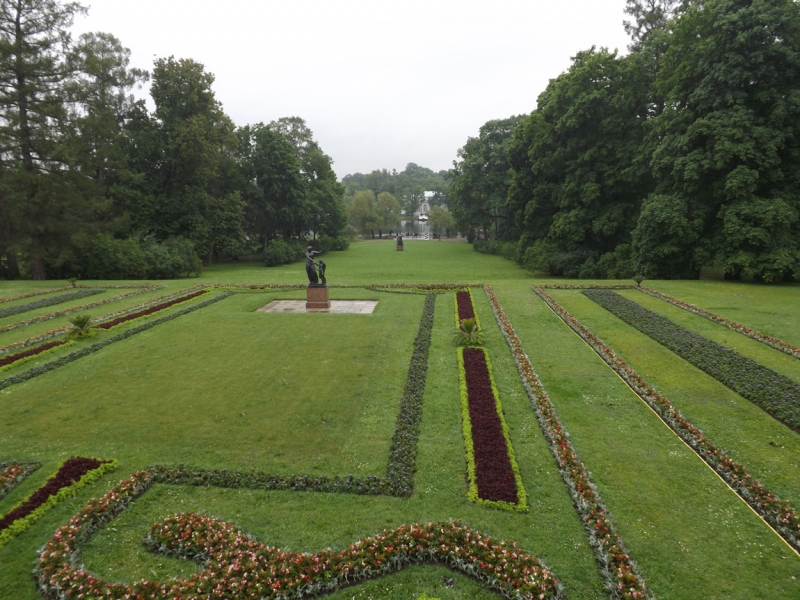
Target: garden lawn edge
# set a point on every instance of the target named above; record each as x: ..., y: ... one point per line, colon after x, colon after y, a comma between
x: 777, y: 514
x: 620, y: 573
x: 13, y: 473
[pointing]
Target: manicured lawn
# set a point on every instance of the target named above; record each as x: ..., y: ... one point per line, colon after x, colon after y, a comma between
x: 226, y: 387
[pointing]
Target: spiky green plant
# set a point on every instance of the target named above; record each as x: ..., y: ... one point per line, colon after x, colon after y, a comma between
x: 469, y: 334
x: 82, y: 324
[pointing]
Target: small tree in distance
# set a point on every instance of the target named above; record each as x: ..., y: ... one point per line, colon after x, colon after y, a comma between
x: 441, y: 218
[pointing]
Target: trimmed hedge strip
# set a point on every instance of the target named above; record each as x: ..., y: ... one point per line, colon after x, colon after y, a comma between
x: 72, y: 475
x: 237, y: 567
x: 492, y: 470
x: 14, y: 473
x: 39, y: 293
x: 776, y: 343
x: 778, y: 513
x: 620, y: 573
x: 72, y: 356
x: 21, y: 308
x: 149, y: 310
x: 776, y: 394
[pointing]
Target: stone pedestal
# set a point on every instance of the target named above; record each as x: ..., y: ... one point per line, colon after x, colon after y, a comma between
x: 317, y: 296
x: 399, y: 247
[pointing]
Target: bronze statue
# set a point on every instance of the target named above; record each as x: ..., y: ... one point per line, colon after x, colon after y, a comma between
x: 310, y: 270
x: 322, y: 266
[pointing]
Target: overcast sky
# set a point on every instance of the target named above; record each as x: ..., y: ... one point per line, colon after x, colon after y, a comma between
x: 380, y: 83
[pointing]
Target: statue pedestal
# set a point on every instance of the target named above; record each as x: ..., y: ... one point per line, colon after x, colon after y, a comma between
x: 317, y: 296
x: 399, y: 247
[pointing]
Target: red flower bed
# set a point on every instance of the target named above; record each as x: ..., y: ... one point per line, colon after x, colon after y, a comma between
x: 70, y: 472
x: 235, y: 566
x: 150, y: 310
x: 465, y: 310
x: 7, y: 360
x: 493, y: 471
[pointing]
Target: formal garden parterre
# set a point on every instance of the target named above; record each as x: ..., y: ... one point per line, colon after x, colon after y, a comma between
x: 508, y: 570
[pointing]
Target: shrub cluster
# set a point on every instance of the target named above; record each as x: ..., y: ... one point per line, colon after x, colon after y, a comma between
x: 778, y: 513
x: 73, y: 356
x: 509, y: 250
x: 14, y: 473
x: 492, y: 471
x: 73, y: 474
x: 617, y: 568
x: 21, y: 308
x: 237, y: 567
x: 279, y: 252
x: 784, y: 347
x: 778, y: 395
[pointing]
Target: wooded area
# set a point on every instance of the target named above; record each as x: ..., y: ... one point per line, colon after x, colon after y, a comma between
x: 94, y: 184
x: 682, y: 154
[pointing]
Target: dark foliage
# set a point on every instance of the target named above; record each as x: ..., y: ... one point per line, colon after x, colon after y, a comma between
x: 21, y: 308
x: 779, y: 396
x: 149, y: 310
x: 12, y: 358
x: 70, y: 472
x: 493, y: 471
x: 465, y: 308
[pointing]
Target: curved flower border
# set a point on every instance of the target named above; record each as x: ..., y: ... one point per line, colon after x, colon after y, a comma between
x: 472, y: 494
x: 770, y: 341
x: 620, y: 573
x: 238, y: 567
x: 67, y: 491
x: 14, y: 473
x: 778, y: 513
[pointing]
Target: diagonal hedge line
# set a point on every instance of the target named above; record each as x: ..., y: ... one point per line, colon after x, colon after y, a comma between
x: 21, y: 308
x: 776, y: 394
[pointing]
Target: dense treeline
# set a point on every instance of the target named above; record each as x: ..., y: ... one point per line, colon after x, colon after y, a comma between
x: 94, y: 184
x: 682, y: 154
x: 408, y: 186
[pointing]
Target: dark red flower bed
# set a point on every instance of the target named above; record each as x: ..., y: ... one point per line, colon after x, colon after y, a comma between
x: 493, y: 471
x: 150, y: 310
x: 32, y: 352
x: 465, y: 310
x: 70, y: 472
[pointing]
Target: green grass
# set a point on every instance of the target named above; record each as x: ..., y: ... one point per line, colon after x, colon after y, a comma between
x: 226, y: 387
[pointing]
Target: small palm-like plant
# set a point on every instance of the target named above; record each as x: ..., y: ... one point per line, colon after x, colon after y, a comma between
x: 469, y: 334
x: 638, y: 278
x: 82, y: 325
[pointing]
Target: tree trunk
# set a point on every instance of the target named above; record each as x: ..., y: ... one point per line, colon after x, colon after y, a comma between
x: 39, y: 272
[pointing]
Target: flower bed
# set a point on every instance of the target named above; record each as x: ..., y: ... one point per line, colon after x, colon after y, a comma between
x: 67, y: 311
x: 72, y: 356
x: 778, y: 513
x: 149, y: 311
x: 14, y: 473
x: 21, y: 308
x: 751, y: 333
x: 617, y: 568
x: 32, y: 294
x: 235, y: 566
x: 56, y: 332
x: 776, y: 394
x: 73, y: 474
x: 6, y: 362
x: 492, y: 471
x: 465, y: 307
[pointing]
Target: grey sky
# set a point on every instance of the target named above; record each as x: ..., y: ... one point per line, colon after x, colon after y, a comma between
x: 380, y: 84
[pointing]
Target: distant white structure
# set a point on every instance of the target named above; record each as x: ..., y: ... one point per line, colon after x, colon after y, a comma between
x: 424, y: 206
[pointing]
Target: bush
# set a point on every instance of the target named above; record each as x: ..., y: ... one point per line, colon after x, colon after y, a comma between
x: 171, y: 259
x: 507, y: 250
x: 102, y: 256
x: 328, y: 244
x: 279, y: 252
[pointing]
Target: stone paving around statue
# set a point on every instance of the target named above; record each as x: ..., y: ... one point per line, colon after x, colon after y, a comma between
x: 353, y: 307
